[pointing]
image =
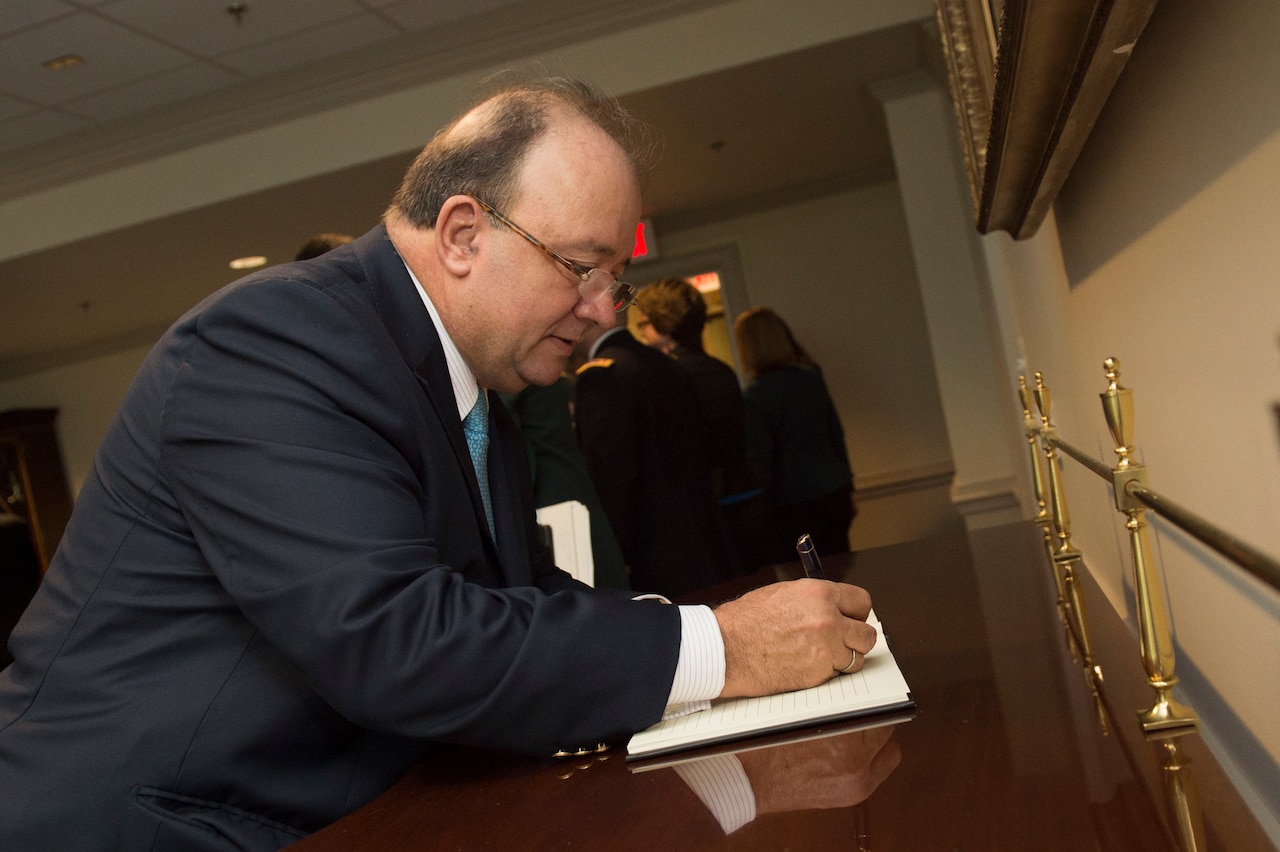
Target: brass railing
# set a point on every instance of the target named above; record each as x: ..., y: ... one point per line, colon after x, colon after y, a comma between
x: 1133, y: 496
x: 1167, y: 720
x: 1252, y: 560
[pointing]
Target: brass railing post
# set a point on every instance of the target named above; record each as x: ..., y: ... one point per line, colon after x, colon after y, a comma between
x: 1032, y: 431
x: 1066, y: 558
x: 1154, y: 632
x: 1181, y: 794
x: 1044, y: 518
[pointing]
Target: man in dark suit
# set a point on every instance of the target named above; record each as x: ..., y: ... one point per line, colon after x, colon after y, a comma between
x: 637, y: 417
x: 281, y: 583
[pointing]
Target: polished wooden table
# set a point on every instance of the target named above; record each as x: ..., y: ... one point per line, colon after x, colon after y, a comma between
x: 1008, y: 749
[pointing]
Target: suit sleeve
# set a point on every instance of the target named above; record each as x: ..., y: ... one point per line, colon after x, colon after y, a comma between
x: 301, y: 450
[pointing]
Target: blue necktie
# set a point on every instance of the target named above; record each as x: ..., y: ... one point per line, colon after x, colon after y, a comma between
x: 476, y: 427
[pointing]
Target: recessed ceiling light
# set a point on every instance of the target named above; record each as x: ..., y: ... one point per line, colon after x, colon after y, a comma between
x: 249, y: 262
x: 62, y: 63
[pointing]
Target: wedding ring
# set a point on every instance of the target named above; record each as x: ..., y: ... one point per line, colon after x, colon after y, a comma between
x: 849, y: 668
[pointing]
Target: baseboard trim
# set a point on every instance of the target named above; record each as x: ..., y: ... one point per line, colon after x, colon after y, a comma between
x: 904, y: 481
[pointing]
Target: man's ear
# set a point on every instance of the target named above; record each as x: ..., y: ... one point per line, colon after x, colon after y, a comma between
x: 459, y: 230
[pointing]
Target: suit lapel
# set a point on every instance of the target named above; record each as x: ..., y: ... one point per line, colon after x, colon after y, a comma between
x: 433, y: 377
x: 508, y: 464
x: 407, y: 321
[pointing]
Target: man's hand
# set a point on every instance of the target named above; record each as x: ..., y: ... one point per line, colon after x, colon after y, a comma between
x: 831, y: 772
x: 793, y: 635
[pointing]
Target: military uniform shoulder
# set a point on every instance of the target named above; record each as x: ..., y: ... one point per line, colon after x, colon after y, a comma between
x: 593, y: 363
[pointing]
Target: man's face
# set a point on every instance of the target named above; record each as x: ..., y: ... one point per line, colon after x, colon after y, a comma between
x: 578, y: 195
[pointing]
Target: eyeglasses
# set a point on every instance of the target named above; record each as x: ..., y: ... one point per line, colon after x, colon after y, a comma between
x: 592, y: 282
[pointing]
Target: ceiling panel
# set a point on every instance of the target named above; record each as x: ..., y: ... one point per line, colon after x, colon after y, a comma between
x: 209, y: 29
x: 113, y: 55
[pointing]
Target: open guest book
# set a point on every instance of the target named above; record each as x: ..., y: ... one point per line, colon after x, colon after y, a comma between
x: 878, y: 688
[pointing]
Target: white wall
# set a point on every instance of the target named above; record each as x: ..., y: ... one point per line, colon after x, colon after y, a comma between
x: 962, y: 318
x: 1170, y: 261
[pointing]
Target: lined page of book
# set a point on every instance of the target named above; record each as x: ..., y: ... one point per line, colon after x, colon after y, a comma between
x: 878, y: 687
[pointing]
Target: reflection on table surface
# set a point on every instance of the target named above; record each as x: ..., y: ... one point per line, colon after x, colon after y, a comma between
x: 1008, y: 748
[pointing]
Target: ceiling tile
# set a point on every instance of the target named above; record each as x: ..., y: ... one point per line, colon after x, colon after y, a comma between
x: 35, y: 127
x: 315, y: 43
x: 421, y: 14
x: 112, y: 55
x: 208, y: 30
x: 12, y: 107
x: 188, y: 81
x: 19, y: 14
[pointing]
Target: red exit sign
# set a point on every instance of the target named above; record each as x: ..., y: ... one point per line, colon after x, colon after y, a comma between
x: 646, y: 242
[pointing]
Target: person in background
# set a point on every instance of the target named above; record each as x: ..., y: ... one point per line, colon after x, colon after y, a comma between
x: 321, y: 243
x: 306, y: 551
x: 543, y: 415
x: 637, y: 418
x: 794, y: 437
x: 672, y: 316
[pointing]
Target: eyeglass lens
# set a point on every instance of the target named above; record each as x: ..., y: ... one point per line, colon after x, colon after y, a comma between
x: 597, y: 282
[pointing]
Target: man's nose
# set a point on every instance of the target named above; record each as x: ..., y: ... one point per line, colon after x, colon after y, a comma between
x: 598, y: 311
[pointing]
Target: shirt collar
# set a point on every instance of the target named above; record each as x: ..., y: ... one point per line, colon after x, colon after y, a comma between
x: 465, y: 388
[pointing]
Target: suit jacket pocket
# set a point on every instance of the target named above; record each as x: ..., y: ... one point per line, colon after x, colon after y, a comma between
x: 160, y: 821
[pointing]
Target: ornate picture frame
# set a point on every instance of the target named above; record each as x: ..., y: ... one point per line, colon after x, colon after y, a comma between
x: 969, y: 49
x: 1055, y: 64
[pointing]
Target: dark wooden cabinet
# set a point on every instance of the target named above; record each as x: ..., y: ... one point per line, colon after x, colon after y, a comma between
x: 34, y: 507
x: 33, y: 484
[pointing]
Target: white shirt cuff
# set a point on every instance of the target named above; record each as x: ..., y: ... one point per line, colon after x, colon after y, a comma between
x: 700, y: 668
x: 722, y: 785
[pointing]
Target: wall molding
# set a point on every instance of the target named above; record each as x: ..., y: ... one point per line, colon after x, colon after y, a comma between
x: 904, y: 481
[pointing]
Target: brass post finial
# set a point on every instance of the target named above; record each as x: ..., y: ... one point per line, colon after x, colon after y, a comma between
x: 1042, y: 398
x: 1155, y: 633
x: 1112, y: 368
x: 1117, y: 405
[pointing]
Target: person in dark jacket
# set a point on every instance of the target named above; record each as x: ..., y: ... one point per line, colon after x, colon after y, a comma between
x: 794, y: 436
x: 637, y: 419
x: 673, y: 315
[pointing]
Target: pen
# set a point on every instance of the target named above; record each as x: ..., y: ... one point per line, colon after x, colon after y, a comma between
x: 809, y: 558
